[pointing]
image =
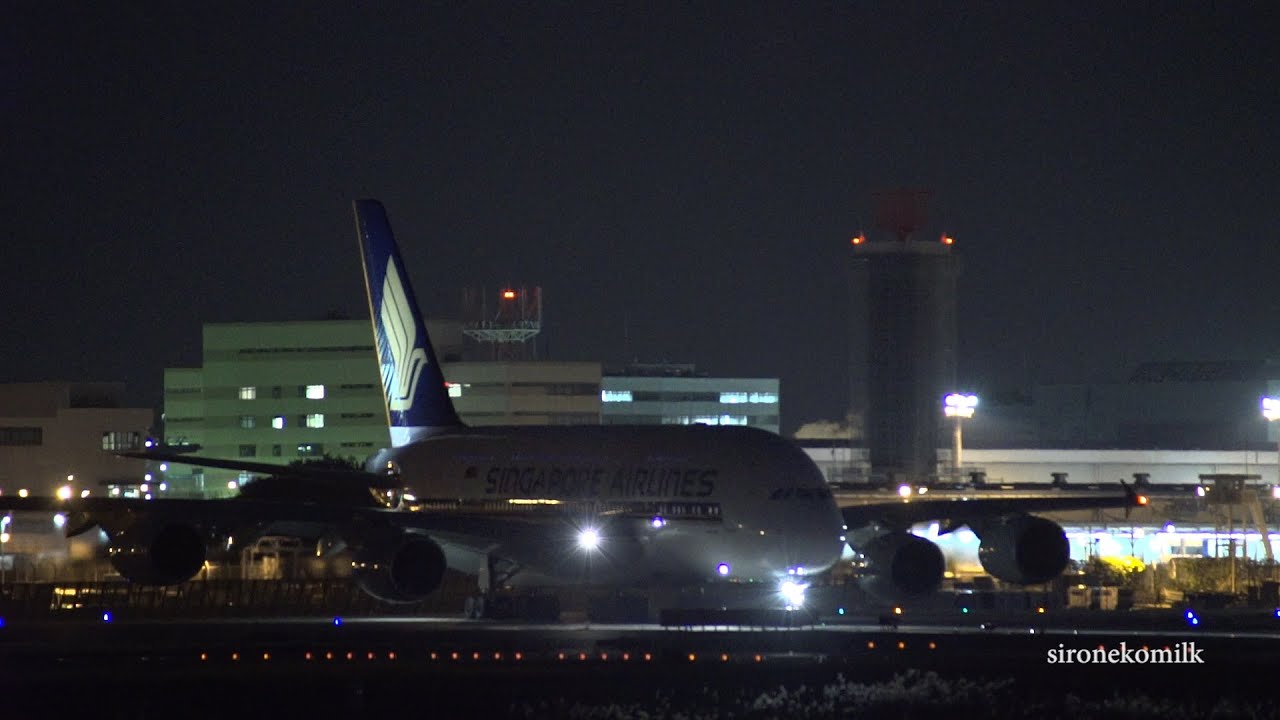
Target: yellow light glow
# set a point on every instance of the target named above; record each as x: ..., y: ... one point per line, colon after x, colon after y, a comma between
x: 64, y: 493
x: 23, y: 492
x: 508, y: 294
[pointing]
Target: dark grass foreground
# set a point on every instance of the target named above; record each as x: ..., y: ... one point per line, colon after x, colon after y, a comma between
x: 912, y: 694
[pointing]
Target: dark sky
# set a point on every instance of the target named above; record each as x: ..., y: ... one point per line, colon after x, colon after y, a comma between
x: 1111, y: 172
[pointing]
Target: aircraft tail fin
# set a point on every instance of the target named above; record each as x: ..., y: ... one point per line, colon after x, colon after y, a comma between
x: 414, y: 390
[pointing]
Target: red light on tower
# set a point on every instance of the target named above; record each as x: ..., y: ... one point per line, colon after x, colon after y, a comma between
x: 858, y: 239
x: 948, y: 240
x: 508, y: 294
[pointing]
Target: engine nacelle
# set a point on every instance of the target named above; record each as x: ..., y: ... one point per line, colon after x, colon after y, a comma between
x: 398, y: 567
x: 1023, y: 549
x: 902, y: 566
x: 157, y: 553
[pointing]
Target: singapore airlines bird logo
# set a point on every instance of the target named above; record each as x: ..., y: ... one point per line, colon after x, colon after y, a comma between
x: 400, y: 376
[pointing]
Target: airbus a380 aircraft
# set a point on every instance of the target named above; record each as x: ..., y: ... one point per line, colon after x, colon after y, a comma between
x: 647, y: 506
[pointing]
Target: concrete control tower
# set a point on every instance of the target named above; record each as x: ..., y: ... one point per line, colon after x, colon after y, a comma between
x: 904, y: 338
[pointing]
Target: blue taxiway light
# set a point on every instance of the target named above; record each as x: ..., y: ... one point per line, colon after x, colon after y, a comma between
x: 337, y: 621
x: 106, y: 617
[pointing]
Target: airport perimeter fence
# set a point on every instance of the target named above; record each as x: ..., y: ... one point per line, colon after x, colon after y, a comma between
x: 215, y: 599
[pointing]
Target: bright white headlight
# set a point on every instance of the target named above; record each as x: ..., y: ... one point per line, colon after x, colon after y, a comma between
x: 792, y: 593
x: 589, y: 539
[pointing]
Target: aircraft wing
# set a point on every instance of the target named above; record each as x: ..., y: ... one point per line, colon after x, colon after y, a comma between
x: 956, y: 513
x: 258, y: 468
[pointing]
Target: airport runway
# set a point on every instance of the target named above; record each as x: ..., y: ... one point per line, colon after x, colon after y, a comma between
x: 483, y: 666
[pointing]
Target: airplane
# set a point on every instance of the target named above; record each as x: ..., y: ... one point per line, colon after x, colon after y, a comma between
x: 521, y: 508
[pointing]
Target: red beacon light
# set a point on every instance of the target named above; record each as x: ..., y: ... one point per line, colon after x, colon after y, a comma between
x: 948, y: 240
x: 858, y: 239
x: 508, y: 294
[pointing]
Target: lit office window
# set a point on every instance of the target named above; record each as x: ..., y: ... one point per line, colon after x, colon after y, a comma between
x: 248, y: 421
x: 615, y: 396
x: 315, y: 420
x: 733, y: 419
x: 733, y: 398
x: 767, y: 398
x: 277, y: 422
x: 315, y: 392
x: 248, y: 392
x: 455, y: 389
x: 310, y: 450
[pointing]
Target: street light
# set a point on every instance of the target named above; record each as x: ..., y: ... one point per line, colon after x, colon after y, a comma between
x: 960, y: 407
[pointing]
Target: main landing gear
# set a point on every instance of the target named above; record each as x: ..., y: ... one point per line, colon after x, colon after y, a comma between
x: 494, y: 603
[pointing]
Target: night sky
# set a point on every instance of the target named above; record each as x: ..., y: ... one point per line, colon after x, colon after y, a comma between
x: 682, y: 181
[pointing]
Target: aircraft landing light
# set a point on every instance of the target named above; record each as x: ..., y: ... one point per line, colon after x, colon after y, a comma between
x: 589, y: 539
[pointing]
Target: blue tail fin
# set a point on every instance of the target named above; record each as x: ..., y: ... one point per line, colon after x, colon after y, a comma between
x: 416, y: 397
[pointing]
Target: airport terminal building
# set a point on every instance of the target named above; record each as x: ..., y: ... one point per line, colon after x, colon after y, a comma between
x: 287, y: 391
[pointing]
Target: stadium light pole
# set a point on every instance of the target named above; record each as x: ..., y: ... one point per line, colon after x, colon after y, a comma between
x: 1271, y: 411
x: 959, y: 407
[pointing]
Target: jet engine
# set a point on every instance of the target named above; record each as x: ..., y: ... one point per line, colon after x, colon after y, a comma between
x: 902, y: 566
x: 1023, y: 549
x: 398, y: 567
x: 157, y: 552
